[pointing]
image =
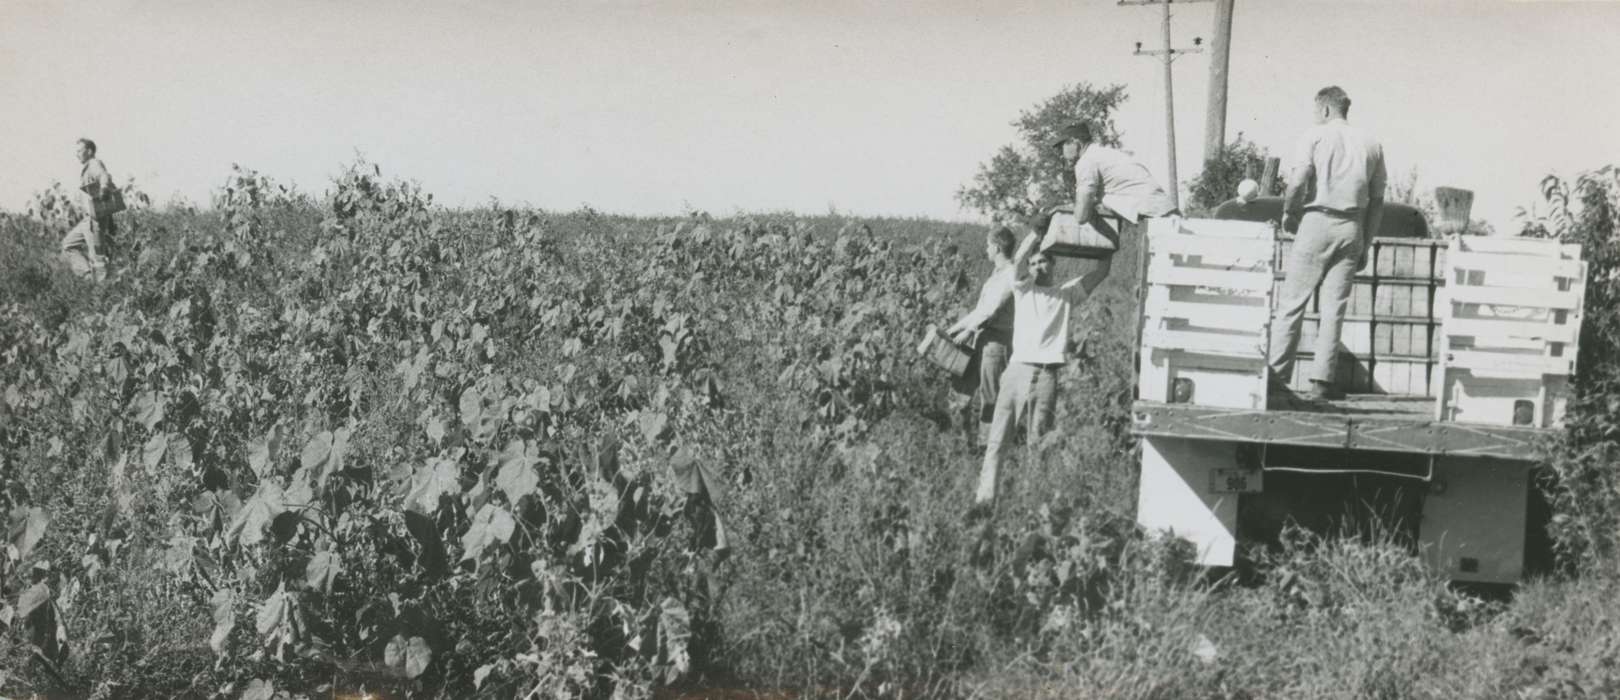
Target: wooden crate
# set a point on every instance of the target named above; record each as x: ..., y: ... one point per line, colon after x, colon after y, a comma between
x: 942, y: 352
x: 1510, y: 325
x: 1207, y: 312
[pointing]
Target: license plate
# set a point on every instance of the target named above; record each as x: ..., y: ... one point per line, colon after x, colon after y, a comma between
x: 1235, y: 481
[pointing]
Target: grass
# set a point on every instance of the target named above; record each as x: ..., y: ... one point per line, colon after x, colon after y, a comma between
x: 852, y: 575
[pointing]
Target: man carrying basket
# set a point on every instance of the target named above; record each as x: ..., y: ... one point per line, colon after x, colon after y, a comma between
x: 83, y: 244
x: 1108, y: 182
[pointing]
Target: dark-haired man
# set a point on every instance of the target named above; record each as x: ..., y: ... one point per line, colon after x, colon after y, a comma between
x: 1041, y: 314
x: 1335, y: 200
x: 992, y: 319
x: 84, y: 244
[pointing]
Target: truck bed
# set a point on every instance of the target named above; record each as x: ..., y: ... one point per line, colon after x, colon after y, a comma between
x: 1360, y: 422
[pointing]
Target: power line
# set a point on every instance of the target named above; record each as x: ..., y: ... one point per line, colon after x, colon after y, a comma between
x: 1168, y: 55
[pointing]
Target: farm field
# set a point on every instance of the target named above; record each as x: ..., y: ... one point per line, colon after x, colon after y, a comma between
x: 302, y: 446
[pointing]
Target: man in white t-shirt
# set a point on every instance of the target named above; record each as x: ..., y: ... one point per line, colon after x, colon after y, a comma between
x: 1040, y: 339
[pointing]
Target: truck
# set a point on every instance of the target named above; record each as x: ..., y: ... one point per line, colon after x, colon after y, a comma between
x: 1456, y: 355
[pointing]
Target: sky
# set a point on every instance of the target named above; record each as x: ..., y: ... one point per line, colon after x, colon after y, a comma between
x: 661, y: 107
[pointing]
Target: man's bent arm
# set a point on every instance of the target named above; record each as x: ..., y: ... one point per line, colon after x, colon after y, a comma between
x: 1087, y: 192
x: 1087, y: 282
x: 1020, y: 261
x: 987, y: 305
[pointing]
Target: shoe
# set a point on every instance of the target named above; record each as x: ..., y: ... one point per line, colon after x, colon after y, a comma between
x: 1324, y: 391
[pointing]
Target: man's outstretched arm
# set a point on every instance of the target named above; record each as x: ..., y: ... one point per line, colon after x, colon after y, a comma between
x: 1080, y: 288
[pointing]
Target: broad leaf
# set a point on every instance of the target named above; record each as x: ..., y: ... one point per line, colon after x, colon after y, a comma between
x: 224, y: 603
x: 492, y: 524
x: 472, y: 407
x: 674, y: 635
x: 316, y: 452
x: 148, y: 408
x: 653, y: 425
x: 259, y: 689
x: 409, y: 656
x: 249, y: 524
x: 259, y: 451
x: 33, y: 529
x: 517, y: 477
x: 439, y: 477
x: 33, y: 599
x: 321, y: 570
x: 152, y: 453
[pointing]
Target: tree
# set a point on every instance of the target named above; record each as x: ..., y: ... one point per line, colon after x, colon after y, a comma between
x: 1022, y: 179
x: 1219, y: 180
x: 1582, y: 484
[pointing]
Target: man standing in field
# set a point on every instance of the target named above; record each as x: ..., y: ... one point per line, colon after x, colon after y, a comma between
x: 1110, y: 182
x: 96, y: 231
x: 992, y: 319
x: 1040, y: 340
x: 1335, y: 200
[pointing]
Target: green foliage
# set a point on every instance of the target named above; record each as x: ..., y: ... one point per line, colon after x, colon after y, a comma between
x: 1022, y: 179
x: 1219, y: 179
x: 1585, y: 486
x: 368, y: 444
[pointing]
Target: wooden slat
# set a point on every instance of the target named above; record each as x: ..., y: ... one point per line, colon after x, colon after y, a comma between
x: 1516, y: 266
x: 1514, y: 245
x: 1485, y: 329
x: 1508, y: 296
x: 1256, y: 283
x: 1209, y: 228
x: 1258, y: 249
x: 1507, y: 364
x: 1212, y: 343
x: 1232, y: 316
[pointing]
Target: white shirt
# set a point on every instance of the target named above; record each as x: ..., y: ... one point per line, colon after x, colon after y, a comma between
x: 1344, y: 164
x: 1041, y: 320
x: 994, y: 311
x: 1120, y: 182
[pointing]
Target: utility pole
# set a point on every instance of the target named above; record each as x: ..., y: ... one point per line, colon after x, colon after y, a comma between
x: 1219, y: 55
x: 1168, y: 54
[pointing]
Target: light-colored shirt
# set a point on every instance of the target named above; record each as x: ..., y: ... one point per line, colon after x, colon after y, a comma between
x: 994, y: 312
x: 1120, y: 182
x: 1344, y: 164
x: 1041, y: 320
x: 94, y: 178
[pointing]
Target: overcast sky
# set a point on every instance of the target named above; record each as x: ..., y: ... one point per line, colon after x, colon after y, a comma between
x: 872, y: 108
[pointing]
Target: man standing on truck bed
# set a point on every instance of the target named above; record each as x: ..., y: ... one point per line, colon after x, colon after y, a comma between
x: 1339, y: 169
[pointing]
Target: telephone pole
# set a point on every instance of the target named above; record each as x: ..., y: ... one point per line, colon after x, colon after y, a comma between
x: 1168, y: 54
x: 1219, y: 58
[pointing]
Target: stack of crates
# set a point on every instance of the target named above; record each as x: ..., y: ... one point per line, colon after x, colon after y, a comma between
x: 1389, y: 341
x: 1510, y: 327
x: 1207, y: 312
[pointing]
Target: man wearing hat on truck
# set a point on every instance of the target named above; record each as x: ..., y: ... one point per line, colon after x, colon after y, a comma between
x: 1335, y: 200
x: 1109, y: 182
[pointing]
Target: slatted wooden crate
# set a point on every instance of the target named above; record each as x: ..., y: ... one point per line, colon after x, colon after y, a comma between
x: 1207, y: 312
x: 1389, y: 338
x: 1510, y: 325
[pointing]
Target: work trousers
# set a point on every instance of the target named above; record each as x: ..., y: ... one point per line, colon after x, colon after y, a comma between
x: 1028, y: 395
x: 1325, y: 252
x: 81, y: 248
x: 980, y: 385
